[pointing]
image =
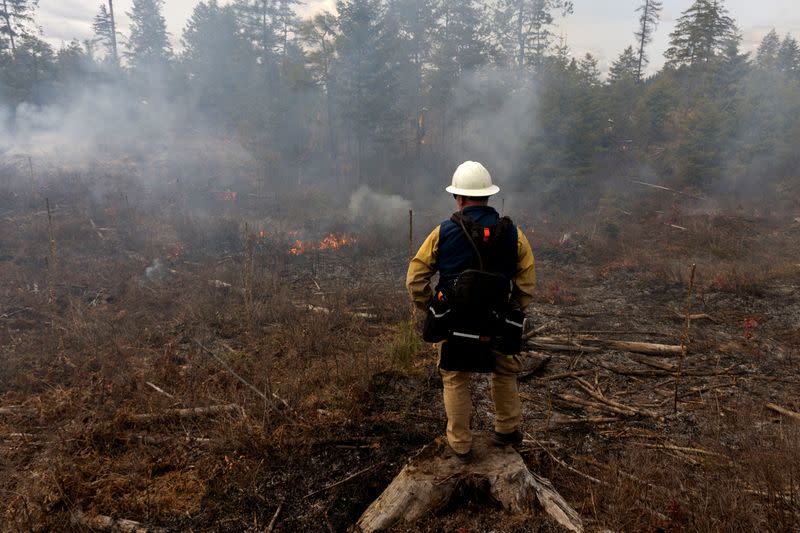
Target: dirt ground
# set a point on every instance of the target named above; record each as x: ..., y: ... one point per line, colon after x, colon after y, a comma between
x: 118, y: 309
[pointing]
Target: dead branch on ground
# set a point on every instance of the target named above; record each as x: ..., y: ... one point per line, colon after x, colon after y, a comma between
x: 189, y: 412
x: 784, y: 411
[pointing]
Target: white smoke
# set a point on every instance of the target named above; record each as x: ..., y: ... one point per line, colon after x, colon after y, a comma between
x: 370, y: 208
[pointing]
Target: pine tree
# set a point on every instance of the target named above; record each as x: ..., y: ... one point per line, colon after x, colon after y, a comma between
x: 30, y: 72
x: 733, y: 67
x: 216, y: 61
x: 623, y: 91
x: 319, y: 36
x: 16, y: 18
x: 105, y: 30
x: 650, y: 13
x: 148, y: 45
x: 626, y: 66
x: 367, y: 90
x: 459, y: 46
x: 588, y: 73
x: 767, y: 53
x: 788, y: 60
x: 73, y: 64
x: 410, y: 25
x: 285, y: 22
x: 701, y: 33
x: 267, y: 24
x: 524, y: 28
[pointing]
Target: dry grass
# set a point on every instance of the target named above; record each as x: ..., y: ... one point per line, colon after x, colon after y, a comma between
x: 326, y: 338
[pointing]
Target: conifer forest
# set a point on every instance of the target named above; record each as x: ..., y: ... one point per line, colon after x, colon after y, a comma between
x: 204, y: 237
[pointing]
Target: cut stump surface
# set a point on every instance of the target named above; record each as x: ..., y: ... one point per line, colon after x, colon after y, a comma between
x: 429, y: 480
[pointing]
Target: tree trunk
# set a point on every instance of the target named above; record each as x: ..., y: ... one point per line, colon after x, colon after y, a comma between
x: 642, y: 41
x: 429, y: 481
x: 7, y: 16
x: 113, y: 32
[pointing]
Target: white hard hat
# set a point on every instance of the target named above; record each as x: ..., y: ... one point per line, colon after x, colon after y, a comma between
x: 472, y: 179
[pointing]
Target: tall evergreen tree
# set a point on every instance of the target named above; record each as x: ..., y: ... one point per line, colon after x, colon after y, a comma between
x: 459, y: 46
x: 789, y: 57
x: 216, y: 61
x: 105, y: 31
x: 319, y: 36
x: 625, y: 67
x: 29, y: 75
x: 267, y: 24
x: 701, y: 33
x: 367, y: 87
x: 767, y: 53
x: 148, y: 45
x: 524, y: 28
x: 650, y: 13
x: 16, y: 18
x: 285, y: 22
x: 410, y: 24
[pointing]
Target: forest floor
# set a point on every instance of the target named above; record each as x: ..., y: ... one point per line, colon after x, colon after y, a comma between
x: 313, y: 391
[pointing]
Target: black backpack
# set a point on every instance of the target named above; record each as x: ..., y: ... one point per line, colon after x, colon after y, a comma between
x: 474, y: 313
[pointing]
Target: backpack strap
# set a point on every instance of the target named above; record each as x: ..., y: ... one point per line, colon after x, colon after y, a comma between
x: 489, y: 237
x: 459, y: 217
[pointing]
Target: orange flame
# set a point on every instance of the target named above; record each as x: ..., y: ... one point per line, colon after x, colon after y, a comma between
x: 329, y: 242
x: 226, y: 196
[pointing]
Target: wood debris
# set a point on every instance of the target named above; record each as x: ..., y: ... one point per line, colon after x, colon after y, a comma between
x: 427, y: 482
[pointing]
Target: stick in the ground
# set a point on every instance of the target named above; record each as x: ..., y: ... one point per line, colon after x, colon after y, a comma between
x: 345, y: 480
x: 562, y: 463
x: 240, y: 378
x: 159, y: 389
x: 272, y: 522
x: 674, y: 448
x: 784, y: 411
x: 684, y: 337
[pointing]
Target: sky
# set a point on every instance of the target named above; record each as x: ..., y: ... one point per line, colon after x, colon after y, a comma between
x: 602, y: 27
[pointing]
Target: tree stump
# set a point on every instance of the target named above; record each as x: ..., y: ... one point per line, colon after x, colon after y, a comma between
x: 429, y: 480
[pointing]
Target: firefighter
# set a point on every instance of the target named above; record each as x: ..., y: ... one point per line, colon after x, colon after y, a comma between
x: 486, y: 280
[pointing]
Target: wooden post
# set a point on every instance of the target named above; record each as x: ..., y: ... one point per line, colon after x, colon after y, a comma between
x: 51, y: 265
x: 410, y: 233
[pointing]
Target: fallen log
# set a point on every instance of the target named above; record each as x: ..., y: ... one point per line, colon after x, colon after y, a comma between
x: 189, y: 412
x: 653, y: 362
x: 597, y: 395
x: 430, y: 481
x: 582, y: 343
x: 107, y: 523
x: 643, y: 347
x: 16, y: 410
x: 559, y: 419
x: 603, y: 406
x: 784, y: 411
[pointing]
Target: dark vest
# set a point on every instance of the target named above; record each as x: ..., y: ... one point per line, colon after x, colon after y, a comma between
x: 456, y: 254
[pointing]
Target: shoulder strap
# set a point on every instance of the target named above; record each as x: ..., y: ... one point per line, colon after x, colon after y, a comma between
x: 459, y: 218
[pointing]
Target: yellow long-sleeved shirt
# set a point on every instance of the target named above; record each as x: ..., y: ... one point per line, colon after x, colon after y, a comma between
x: 423, y: 267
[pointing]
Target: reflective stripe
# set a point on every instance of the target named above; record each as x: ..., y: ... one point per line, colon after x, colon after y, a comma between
x: 466, y: 335
x: 513, y: 323
x: 438, y: 316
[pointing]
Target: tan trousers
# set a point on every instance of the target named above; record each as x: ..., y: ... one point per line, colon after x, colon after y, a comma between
x: 458, y: 402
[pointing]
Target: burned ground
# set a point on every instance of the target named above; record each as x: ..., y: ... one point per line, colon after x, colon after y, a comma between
x: 137, y: 307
